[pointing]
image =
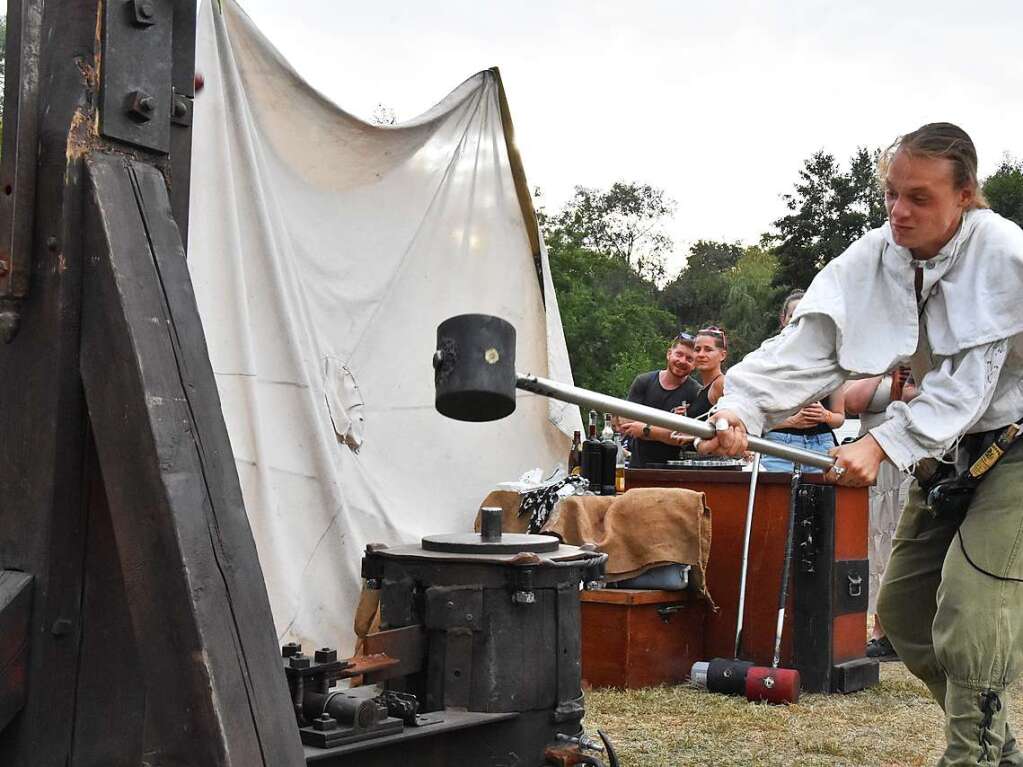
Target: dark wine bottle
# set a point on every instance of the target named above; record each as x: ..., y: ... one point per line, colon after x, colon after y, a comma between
x: 592, y: 455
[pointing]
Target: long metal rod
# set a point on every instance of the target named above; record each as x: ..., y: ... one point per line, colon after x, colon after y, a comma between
x: 633, y: 411
x: 745, y: 553
x: 786, y: 568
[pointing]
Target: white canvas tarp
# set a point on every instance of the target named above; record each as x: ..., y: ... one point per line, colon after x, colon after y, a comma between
x: 324, y: 252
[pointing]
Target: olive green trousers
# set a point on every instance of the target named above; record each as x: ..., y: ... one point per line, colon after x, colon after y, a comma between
x: 958, y: 629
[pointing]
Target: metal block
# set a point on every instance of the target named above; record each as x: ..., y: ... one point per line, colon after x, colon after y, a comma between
x: 454, y: 607
x: 855, y: 675
x: 328, y: 737
x: 136, y: 97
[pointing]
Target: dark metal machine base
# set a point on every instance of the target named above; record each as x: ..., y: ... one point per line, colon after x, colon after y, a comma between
x: 341, y: 735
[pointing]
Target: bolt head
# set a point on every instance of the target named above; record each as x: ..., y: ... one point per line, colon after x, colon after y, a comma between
x: 141, y: 105
x: 324, y: 722
x: 325, y: 655
x: 290, y: 649
x: 146, y: 10
x: 299, y: 661
x: 769, y: 682
x: 60, y: 627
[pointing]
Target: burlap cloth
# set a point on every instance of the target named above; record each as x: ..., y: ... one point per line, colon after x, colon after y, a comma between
x: 643, y: 528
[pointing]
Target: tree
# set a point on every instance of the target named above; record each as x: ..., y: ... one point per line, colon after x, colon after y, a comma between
x: 600, y: 244
x: 1004, y: 189
x: 613, y: 326
x: 728, y: 285
x: 750, y: 311
x: 626, y: 223
x: 697, y: 296
x: 830, y: 209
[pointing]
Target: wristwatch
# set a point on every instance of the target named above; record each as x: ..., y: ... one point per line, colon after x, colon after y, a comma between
x: 646, y: 430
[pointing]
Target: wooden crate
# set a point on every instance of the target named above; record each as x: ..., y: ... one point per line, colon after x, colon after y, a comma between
x: 640, y: 637
x: 823, y: 634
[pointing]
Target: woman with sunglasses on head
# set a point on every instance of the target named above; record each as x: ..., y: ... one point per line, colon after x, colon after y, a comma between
x: 810, y: 428
x: 710, y: 349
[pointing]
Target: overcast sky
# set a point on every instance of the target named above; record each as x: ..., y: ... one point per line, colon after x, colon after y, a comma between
x: 718, y: 103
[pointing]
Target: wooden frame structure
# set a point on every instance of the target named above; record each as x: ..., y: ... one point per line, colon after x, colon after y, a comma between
x: 134, y: 622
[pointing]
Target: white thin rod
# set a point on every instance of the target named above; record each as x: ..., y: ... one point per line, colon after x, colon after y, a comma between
x: 745, y: 553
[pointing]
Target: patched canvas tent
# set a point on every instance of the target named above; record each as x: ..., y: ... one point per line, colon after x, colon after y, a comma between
x: 324, y: 252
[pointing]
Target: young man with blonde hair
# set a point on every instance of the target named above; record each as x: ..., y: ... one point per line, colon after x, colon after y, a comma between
x: 939, y: 286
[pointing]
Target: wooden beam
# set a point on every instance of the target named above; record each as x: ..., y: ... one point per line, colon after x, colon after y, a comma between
x: 41, y: 410
x: 110, y: 697
x: 195, y: 591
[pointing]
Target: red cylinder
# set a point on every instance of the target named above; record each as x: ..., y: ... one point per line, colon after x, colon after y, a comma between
x: 772, y: 685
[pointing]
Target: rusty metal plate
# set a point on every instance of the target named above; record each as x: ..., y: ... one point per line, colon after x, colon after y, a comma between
x: 136, y: 97
x: 407, y: 645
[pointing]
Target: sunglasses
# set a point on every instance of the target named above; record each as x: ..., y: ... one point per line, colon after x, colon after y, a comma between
x: 714, y: 332
x: 683, y: 336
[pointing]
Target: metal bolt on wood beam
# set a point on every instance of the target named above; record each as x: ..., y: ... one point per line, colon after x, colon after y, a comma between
x: 141, y: 105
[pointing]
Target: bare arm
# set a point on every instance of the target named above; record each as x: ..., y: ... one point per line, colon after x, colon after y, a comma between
x: 859, y: 393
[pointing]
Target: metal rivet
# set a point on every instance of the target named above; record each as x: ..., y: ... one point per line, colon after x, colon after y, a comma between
x: 60, y: 627
x: 52, y: 244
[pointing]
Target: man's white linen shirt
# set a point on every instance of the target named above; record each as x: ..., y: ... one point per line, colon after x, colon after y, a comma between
x: 973, y: 389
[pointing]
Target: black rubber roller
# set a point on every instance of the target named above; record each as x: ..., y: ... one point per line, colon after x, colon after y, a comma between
x: 474, y: 368
x: 727, y: 676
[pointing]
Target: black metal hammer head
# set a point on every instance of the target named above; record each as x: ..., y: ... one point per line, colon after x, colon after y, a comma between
x: 474, y: 368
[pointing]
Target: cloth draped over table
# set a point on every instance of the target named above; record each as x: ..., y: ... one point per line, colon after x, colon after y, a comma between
x: 644, y: 528
x: 324, y: 252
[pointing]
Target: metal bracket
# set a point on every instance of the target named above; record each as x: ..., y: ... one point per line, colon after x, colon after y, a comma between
x: 136, y: 98
x: 850, y: 586
x: 668, y: 610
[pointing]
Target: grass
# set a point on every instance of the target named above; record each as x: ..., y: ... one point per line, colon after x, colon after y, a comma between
x: 895, y: 723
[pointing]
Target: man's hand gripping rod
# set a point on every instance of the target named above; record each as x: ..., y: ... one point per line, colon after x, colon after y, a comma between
x: 475, y: 377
